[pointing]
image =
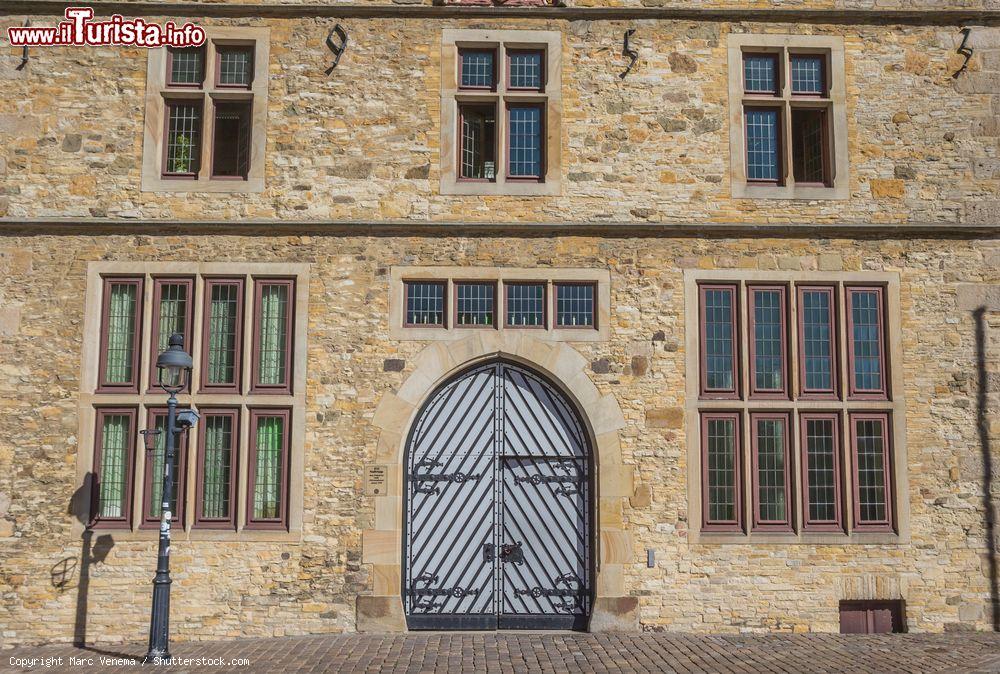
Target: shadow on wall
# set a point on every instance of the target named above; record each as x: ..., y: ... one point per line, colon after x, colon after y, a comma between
x: 989, y: 507
x: 92, y: 552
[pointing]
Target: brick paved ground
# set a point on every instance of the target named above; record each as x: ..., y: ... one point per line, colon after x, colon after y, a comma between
x: 564, y: 652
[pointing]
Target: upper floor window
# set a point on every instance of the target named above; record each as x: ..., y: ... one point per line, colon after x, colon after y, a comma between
x: 500, y: 93
x: 789, y: 93
x: 206, y: 112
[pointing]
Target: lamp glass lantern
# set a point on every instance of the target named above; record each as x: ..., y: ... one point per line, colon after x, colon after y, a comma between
x: 174, y: 364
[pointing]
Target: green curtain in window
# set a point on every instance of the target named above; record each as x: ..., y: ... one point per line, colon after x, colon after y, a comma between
x: 216, y: 467
x: 172, y: 316
x: 156, y: 472
x: 222, y: 334
x: 121, y: 333
x: 273, y: 337
x: 114, y: 463
x: 267, y: 472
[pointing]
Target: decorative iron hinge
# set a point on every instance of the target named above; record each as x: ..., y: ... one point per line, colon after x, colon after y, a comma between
x: 420, y: 479
x: 567, y: 466
x: 569, y: 580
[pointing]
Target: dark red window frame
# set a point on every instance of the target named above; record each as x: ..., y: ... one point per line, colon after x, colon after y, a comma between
x: 168, y: 105
x: 103, y: 386
x: 200, y: 520
x: 545, y: 305
x: 853, y: 392
x: 444, y: 302
x: 245, y: 109
x: 219, y: 48
x: 767, y: 394
x: 286, y: 386
x: 462, y: 51
x: 760, y: 524
x: 778, y: 80
x: 823, y: 75
x: 255, y: 415
x: 147, y: 522
x: 780, y: 150
x: 475, y: 282
x: 824, y: 148
x: 555, y: 305
x: 125, y: 521
x: 833, y: 393
x: 710, y: 525
x: 718, y: 393
x: 542, y: 69
x: 887, y: 524
x: 460, y: 140
x: 170, y: 68
x: 158, y: 283
x: 808, y: 524
x: 236, y: 386
x: 542, y: 135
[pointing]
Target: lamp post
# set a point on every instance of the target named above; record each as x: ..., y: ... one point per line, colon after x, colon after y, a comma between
x: 173, y: 367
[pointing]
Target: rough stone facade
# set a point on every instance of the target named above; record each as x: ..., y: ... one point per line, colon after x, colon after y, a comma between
x: 360, y: 146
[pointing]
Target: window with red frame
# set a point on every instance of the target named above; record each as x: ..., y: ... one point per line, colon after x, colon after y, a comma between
x: 121, y: 331
x: 772, y: 473
x: 272, y: 335
x: 218, y: 450
x: 866, y: 342
x: 267, y: 506
x: 231, y: 140
x: 817, y: 325
x: 872, y: 473
x: 768, y: 341
x: 719, y: 355
x: 222, y: 335
x: 173, y: 312
x: 152, y: 491
x: 111, y: 483
x: 722, y: 496
x: 821, y: 456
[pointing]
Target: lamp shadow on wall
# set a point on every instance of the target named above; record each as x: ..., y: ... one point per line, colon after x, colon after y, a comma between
x: 989, y: 507
x: 94, y: 550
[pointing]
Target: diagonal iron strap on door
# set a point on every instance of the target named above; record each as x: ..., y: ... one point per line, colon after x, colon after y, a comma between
x: 498, y: 507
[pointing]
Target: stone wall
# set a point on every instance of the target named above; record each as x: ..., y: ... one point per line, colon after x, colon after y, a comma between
x: 232, y: 589
x: 363, y: 142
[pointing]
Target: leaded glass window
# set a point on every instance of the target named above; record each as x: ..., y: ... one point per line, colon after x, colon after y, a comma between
x: 115, y: 431
x: 478, y: 143
x: 172, y: 314
x: 187, y: 67
x: 526, y: 68
x: 525, y: 129
x: 154, y: 466
x: 231, y: 140
x: 808, y: 146
x: 768, y: 367
x: 525, y: 305
x: 575, y: 307
x: 719, y: 348
x: 269, y: 448
x: 273, y: 328
x: 771, y: 466
x: 865, y: 306
x: 121, y: 333
x: 475, y: 304
x: 817, y: 340
x: 721, y: 444
x: 807, y: 75
x: 223, y: 333
x: 871, y: 456
x: 478, y: 68
x: 183, y: 145
x: 762, y: 131
x: 218, y: 466
x: 821, y: 455
x: 425, y: 303
x: 760, y: 73
x: 235, y: 66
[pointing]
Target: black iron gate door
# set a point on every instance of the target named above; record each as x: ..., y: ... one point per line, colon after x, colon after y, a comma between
x: 498, y: 507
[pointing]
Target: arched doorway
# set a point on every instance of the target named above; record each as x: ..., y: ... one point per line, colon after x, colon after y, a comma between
x: 498, y: 511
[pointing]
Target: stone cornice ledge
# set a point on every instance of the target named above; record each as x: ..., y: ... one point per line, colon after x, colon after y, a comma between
x: 356, y: 10
x: 618, y: 229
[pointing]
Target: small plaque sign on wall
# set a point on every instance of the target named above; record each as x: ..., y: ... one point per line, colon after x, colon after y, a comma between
x: 376, y: 480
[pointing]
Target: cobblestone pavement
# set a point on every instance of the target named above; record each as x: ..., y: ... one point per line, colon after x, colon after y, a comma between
x: 548, y: 652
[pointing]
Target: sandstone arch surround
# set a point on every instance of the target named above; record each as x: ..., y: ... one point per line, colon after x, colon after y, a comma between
x: 382, y: 611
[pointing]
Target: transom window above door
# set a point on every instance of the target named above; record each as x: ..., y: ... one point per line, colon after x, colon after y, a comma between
x: 501, y: 105
x: 438, y: 303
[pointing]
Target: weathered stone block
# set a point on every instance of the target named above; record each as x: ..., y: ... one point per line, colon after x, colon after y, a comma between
x: 380, y: 614
x: 615, y: 614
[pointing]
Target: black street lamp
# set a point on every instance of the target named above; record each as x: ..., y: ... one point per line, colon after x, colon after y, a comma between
x: 173, y: 367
